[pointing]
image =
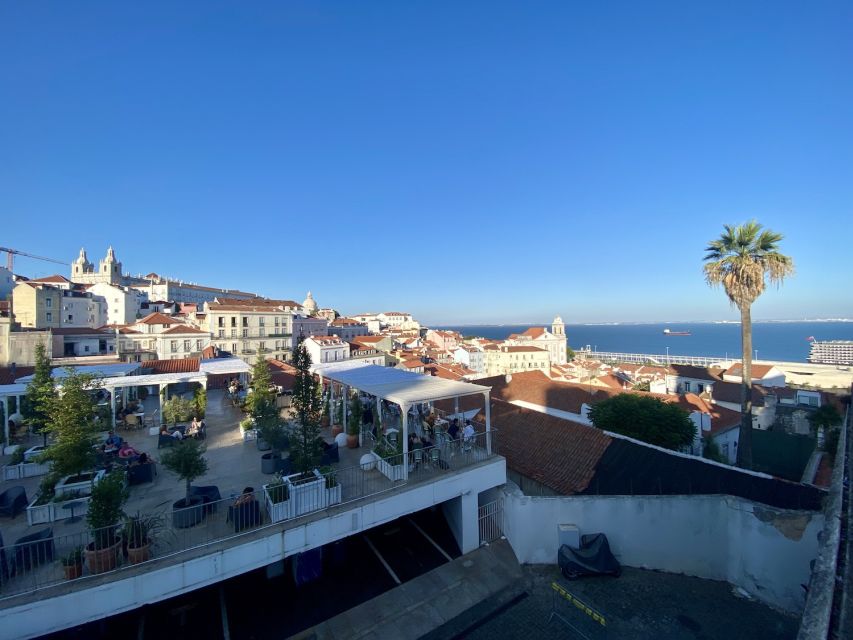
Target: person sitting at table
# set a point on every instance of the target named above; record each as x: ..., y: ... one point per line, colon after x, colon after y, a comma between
x: 143, y: 458
x: 113, y: 441
x: 468, y: 432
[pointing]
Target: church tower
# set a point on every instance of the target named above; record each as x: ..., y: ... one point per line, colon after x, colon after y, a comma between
x: 558, y: 327
x: 109, y: 269
x: 81, y: 268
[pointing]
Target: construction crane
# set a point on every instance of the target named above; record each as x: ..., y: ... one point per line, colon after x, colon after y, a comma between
x: 11, y: 253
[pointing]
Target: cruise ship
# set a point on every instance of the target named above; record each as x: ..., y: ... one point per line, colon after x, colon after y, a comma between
x: 831, y: 352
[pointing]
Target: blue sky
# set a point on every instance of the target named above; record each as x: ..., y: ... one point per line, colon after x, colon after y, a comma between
x: 469, y: 162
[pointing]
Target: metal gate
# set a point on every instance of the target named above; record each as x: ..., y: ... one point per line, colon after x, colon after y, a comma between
x: 491, y: 520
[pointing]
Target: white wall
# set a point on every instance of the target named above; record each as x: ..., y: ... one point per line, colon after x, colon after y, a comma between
x: 765, y: 551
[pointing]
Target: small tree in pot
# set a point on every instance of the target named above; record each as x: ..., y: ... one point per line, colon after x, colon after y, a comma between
x: 356, y: 410
x: 72, y: 563
x: 188, y: 463
x: 104, y: 514
x: 139, y: 532
x: 306, y: 446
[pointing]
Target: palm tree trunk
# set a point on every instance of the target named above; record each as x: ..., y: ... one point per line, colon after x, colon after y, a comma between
x: 744, y: 450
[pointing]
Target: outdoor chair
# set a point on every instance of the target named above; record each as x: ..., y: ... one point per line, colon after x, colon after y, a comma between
x: 434, y: 457
x: 131, y: 421
x: 34, y: 550
x: 210, y: 496
x: 13, y: 501
x: 245, y: 516
x: 418, y: 456
x: 166, y: 441
x: 330, y: 454
x: 140, y: 473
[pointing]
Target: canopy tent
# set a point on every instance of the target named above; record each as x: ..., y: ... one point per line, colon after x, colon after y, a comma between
x: 395, y: 385
x: 98, y: 371
x: 403, y: 388
x: 223, y: 366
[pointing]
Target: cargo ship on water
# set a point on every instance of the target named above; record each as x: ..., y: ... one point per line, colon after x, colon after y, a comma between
x: 831, y: 351
x: 670, y: 332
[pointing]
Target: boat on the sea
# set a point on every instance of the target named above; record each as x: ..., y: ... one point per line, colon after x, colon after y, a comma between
x: 670, y: 332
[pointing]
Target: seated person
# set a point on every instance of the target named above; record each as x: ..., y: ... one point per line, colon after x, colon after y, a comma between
x: 126, y: 451
x: 247, y: 496
x: 194, y: 428
x: 164, y: 431
x: 453, y: 429
x: 143, y: 458
x: 468, y: 431
x: 112, y: 443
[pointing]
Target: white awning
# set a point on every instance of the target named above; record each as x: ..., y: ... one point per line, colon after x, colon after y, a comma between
x: 153, y: 379
x: 395, y: 385
x: 97, y: 370
x: 217, y: 366
x: 16, y: 389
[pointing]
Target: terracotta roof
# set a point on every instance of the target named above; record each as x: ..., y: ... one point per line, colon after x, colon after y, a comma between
x: 326, y: 340
x: 8, y: 377
x: 254, y: 302
x: 54, y: 278
x: 370, y: 339
x: 534, y: 332
x: 758, y: 370
x: 209, y: 352
x: 183, y: 365
x: 730, y: 392
x: 721, y: 418
x: 558, y: 453
x: 698, y: 373
x: 282, y: 374
x: 157, y: 318
x: 346, y: 322
x: 184, y: 328
x: 522, y: 349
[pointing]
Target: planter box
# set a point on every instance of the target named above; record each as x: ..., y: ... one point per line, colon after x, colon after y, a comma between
x: 53, y: 511
x: 250, y: 434
x: 24, y: 470
x: 84, y: 486
x: 392, y: 472
x: 306, y: 495
x: 278, y: 511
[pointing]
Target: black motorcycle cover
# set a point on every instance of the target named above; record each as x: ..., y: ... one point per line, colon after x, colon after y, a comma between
x: 593, y: 558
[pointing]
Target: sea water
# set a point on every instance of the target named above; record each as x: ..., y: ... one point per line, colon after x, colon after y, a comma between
x: 786, y: 341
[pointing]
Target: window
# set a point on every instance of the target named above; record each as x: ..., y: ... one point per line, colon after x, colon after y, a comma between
x: 70, y: 318
x: 233, y: 347
x: 233, y: 321
x: 48, y: 303
x: 245, y: 333
x: 262, y: 346
x: 221, y: 321
x: 49, y: 316
x: 261, y: 332
x: 245, y: 322
x: 198, y: 345
x: 700, y: 387
x: 174, y: 346
x: 222, y: 333
x: 187, y: 346
x: 261, y: 321
x: 86, y: 348
x: 276, y: 321
x: 686, y: 387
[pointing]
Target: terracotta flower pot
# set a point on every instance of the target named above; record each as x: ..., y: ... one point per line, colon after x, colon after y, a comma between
x: 352, y: 441
x: 135, y: 555
x: 73, y: 571
x: 102, y: 560
x: 336, y: 429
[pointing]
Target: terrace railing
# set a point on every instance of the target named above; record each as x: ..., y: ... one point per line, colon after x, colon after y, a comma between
x: 38, y: 563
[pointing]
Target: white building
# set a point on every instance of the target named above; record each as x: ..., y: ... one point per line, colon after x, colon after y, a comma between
x: 157, y: 287
x: 161, y: 337
x: 109, y: 269
x: 471, y: 356
x: 326, y: 349
x: 397, y: 320
x: 120, y: 305
x: 554, y: 341
x: 7, y: 283
x: 252, y: 329
x: 763, y: 374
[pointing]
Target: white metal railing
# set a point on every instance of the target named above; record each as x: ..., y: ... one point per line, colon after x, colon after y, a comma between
x: 490, y: 519
x: 651, y: 358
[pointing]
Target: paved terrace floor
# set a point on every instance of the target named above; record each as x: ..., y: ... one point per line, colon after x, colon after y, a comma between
x: 233, y: 464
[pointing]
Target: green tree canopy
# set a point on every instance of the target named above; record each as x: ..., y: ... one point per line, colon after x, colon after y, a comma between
x: 41, y: 393
x: 72, y: 425
x: 645, y: 418
x: 305, y: 445
x: 825, y: 417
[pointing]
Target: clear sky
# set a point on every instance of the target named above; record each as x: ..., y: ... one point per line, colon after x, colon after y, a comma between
x: 465, y: 161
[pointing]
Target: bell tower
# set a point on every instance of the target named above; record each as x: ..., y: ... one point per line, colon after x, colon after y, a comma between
x: 109, y: 269
x: 558, y: 327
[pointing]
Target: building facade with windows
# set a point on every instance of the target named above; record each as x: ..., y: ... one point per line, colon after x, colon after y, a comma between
x: 324, y: 349
x: 252, y: 329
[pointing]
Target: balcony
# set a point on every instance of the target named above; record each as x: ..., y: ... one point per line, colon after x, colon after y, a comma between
x: 279, y: 335
x: 38, y: 568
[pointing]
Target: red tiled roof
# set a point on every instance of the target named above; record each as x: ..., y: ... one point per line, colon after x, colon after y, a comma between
x: 368, y: 339
x: 758, y: 370
x: 53, y: 278
x: 183, y: 365
x: 282, y: 374
x: 157, y: 318
x: 534, y: 332
x: 7, y: 377
x: 183, y: 329
x: 560, y: 454
x: 698, y: 373
x: 521, y: 349
x: 730, y: 392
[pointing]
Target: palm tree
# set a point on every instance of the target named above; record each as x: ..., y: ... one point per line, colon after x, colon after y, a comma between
x: 742, y: 260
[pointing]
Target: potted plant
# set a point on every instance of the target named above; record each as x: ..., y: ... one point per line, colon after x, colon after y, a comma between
x: 338, y: 422
x: 326, y: 416
x: 332, y: 491
x: 277, y: 498
x: 104, y: 514
x: 72, y: 563
x: 139, y: 532
x: 276, y: 436
x: 389, y: 459
x: 188, y: 463
x: 354, y: 422
x: 177, y: 409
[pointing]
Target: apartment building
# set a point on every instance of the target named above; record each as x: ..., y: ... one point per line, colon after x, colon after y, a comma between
x: 252, y: 329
